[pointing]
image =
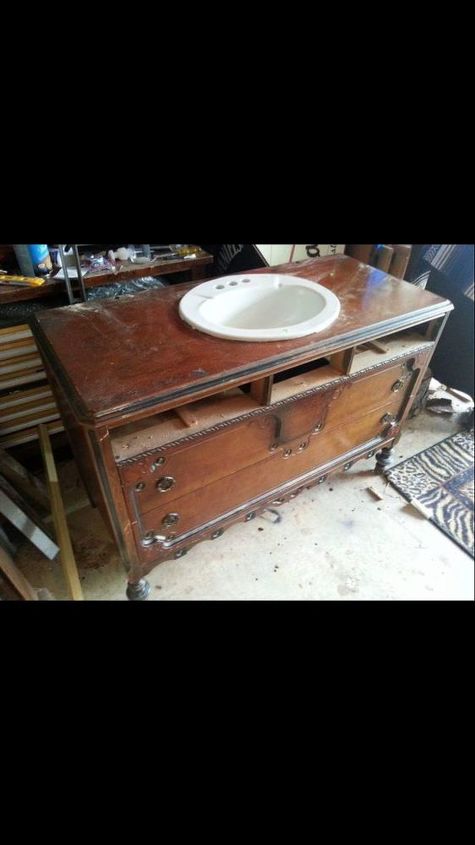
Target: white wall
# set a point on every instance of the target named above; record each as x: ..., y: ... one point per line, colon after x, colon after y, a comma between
x: 280, y: 253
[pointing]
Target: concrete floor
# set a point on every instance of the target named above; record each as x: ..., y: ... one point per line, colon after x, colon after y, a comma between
x: 335, y: 542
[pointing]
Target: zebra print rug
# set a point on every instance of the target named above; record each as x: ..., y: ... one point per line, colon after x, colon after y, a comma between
x: 441, y: 478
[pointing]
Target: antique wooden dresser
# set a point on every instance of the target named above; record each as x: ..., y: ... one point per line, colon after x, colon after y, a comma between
x: 178, y: 434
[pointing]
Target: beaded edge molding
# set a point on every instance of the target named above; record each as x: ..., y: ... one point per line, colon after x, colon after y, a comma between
x: 337, y: 385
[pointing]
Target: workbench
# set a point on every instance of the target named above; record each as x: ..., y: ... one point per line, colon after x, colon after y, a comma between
x: 127, y: 271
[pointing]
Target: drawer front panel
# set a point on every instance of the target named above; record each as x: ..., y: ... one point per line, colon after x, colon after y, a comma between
x: 371, y: 391
x: 209, y: 457
x: 186, y: 513
x: 187, y: 467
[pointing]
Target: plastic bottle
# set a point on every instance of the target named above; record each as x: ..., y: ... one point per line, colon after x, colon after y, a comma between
x: 40, y: 258
x: 24, y: 259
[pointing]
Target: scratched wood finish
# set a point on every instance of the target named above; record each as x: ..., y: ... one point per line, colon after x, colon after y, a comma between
x: 246, y: 443
x: 119, y: 369
x: 222, y: 495
x: 135, y: 353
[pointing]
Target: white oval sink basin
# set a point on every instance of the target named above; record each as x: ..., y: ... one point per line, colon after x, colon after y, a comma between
x: 261, y: 306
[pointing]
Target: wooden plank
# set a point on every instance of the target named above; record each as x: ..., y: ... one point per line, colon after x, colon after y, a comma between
x: 15, y: 577
x: 383, y: 257
x: 59, y: 518
x: 15, y: 333
x: 28, y: 421
x: 186, y: 415
x: 261, y: 390
x: 22, y: 362
x: 7, y: 344
x: 376, y: 345
x: 7, y: 543
x: 20, y: 347
x: 361, y: 252
x: 29, y: 485
x: 29, y: 434
x: 21, y: 411
x: 25, y: 378
x: 20, y: 397
x: 343, y: 360
x: 400, y: 260
x: 23, y: 517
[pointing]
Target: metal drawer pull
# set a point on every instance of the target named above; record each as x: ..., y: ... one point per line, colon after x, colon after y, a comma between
x: 158, y: 462
x: 250, y: 516
x: 152, y: 537
x: 140, y: 486
x: 388, y: 418
x: 322, y: 479
x: 217, y: 533
x: 398, y: 385
x: 318, y: 426
x: 165, y: 483
x: 347, y: 466
x: 287, y: 453
x: 170, y: 519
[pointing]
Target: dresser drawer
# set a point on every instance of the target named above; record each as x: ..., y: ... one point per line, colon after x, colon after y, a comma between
x: 362, y: 394
x: 186, y: 513
x: 202, y: 459
x: 179, y: 469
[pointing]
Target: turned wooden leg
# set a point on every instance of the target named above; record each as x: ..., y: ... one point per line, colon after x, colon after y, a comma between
x: 385, y: 459
x: 138, y: 590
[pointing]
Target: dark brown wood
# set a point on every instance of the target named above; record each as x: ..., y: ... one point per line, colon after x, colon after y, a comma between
x: 360, y: 252
x: 183, y: 434
x: 383, y: 257
x: 200, y: 268
x: 51, y: 287
x: 400, y: 260
x: 151, y: 360
x: 197, y: 267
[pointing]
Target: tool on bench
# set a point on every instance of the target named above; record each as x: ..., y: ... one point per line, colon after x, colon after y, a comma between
x: 31, y: 281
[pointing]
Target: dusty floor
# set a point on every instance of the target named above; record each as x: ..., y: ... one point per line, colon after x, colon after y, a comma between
x: 333, y: 542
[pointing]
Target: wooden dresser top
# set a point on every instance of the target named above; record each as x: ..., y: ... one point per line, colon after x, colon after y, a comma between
x: 117, y: 358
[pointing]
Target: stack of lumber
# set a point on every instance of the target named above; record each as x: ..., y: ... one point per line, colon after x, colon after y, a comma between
x: 26, y: 399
